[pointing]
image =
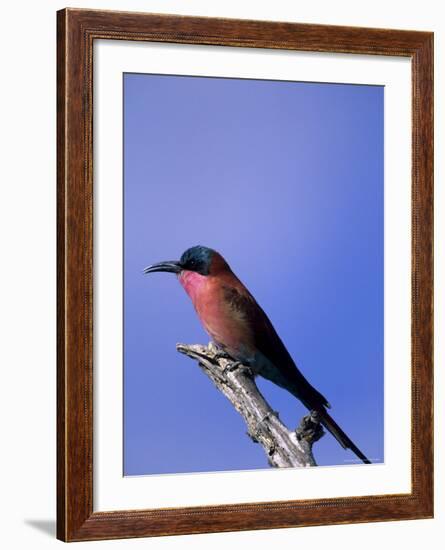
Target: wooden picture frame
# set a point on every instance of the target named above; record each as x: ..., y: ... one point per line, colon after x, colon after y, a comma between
x: 76, y: 32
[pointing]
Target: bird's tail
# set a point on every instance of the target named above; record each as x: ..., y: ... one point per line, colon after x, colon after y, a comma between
x: 330, y: 424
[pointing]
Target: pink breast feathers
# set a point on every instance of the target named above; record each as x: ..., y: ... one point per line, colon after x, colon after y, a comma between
x: 192, y: 283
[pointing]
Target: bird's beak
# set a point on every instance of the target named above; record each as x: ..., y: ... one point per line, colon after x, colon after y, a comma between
x: 169, y: 267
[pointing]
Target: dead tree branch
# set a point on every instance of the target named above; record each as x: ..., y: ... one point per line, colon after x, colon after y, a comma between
x: 283, y: 447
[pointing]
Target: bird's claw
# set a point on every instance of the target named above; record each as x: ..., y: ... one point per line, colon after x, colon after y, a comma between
x: 218, y: 352
x: 221, y: 354
x: 231, y: 366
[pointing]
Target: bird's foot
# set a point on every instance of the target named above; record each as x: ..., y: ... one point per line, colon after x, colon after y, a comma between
x: 218, y: 352
x: 310, y: 428
x: 231, y: 366
x: 240, y: 367
x: 221, y: 354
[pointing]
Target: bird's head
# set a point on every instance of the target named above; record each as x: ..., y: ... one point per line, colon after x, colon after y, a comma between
x: 198, y: 259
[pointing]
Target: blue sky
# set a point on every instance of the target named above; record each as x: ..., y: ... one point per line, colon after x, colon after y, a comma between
x: 285, y: 179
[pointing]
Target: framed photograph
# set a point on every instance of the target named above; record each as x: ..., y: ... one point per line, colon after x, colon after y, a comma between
x: 245, y: 228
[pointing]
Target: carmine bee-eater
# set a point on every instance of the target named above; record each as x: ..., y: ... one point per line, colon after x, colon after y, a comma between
x: 241, y: 329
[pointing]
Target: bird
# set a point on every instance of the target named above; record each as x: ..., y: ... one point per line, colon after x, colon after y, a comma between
x: 240, y: 328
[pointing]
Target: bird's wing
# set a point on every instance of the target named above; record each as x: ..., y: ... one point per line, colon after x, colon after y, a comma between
x: 265, y: 339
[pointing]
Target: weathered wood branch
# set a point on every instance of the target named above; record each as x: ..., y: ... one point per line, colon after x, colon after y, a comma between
x: 283, y: 447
